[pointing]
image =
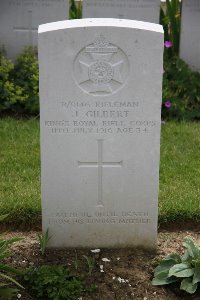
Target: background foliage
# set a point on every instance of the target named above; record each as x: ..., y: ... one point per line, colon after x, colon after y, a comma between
x: 181, y: 86
x: 26, y: 75
x: 75, y: 10
x: 19, y: 81
x: 10, y: 93
x: 171, y: 21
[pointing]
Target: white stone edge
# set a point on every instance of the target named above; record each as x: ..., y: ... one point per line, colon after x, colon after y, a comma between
x: 100, y: 22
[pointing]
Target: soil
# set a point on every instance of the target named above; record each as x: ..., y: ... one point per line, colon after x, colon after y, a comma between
x: 127, y: 275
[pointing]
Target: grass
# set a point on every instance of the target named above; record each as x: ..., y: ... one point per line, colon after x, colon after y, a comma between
x: 179, y: 197
x: 20, y: 172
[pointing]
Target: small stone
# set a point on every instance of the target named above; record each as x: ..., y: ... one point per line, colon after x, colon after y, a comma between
x: 121, y: 280
x: 95, y: 251
x: 101, y: 269
x: 105, y: 259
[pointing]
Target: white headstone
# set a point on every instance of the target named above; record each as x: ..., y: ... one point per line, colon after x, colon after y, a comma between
x: 100, y: 97
x: 190, y: 33
x: 19, y: 21
x: 142, y: 10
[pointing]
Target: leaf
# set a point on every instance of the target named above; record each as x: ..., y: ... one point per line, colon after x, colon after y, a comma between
x: 9, y: 269
x: 13, y: 240
x: 181, y: 270
x: 11, y: 279
x: 196, y: 277
x: 8, y: 292
x: 192, y: 249
x: 172, y: 13
x: 4, y: 255
x: 162, y: 279
x: 164, y: 266
x: 3, y: 284
x: 175, y: 257
x: 3, y: 217
x: 5, y: 243
x: 188, y: 286
x: 43, y: 240
x: 167, y: 263
x: 186, y: 257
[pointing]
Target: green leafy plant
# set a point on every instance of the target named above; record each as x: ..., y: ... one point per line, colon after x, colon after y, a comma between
x: 5, y: 270
x: 75, y: 10
x: 90, y: 263
x: 184, y: 269
x: 19, y: 82
x: 43, y: 240
x: 171, y: 21
x: 10, y: 92
x: 54, y: 282
x: 181, y: 86
x: 76, y: 262
x: 3, y: 217
x: 26, y: 75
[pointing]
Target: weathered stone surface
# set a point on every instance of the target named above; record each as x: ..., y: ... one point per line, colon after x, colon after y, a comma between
x: 19, y: 21
x: 142, y: 10
x: 100, y: 97
x: 190, y: 33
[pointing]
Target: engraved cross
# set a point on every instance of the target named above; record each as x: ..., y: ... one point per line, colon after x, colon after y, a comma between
x: 30, y: 29
x: 100, y: 164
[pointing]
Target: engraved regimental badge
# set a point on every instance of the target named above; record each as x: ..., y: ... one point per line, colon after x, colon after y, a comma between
x: 101, y: 68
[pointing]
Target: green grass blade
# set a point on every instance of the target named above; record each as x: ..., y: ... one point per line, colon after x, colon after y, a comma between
x: 173, y: 15
x: 4, y: 276
x: 8, y: 292
x: 7, y: 268
x: 3, y: 217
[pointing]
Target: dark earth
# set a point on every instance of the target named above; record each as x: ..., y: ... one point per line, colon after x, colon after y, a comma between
x: 127, y: 275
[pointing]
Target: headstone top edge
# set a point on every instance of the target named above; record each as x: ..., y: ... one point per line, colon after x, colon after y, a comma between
x: 100, y: 22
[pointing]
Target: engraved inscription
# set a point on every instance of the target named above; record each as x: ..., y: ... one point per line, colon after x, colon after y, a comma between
x: 101, y: 68
x: 121, y: 3
x: 100, y: 217
x: 100, y: 164
x: 60, y: 221
x: 95, y: 122
x: 100, y: 117
x: 34, y: 3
